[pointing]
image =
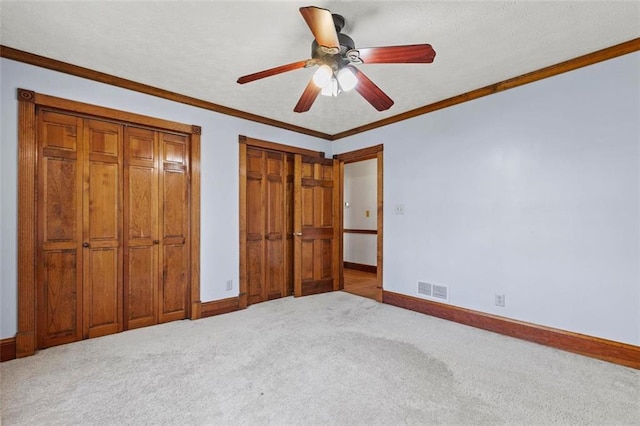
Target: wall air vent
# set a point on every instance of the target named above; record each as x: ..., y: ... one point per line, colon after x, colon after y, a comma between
x: 441, y: 292
x: 424, y: 288
x: 433, y: 291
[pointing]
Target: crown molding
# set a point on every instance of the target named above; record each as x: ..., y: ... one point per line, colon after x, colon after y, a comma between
x: 550, y: 71
x: 75, y: 70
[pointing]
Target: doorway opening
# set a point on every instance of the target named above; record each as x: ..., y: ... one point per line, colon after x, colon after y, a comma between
x: 362, y: 203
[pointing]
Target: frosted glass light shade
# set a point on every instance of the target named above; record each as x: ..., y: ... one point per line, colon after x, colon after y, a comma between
x: 322, y: 77
x: 347, y: 79
x: 331, y: 89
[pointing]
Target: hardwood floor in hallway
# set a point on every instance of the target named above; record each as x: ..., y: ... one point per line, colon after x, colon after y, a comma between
x: 360, y: 283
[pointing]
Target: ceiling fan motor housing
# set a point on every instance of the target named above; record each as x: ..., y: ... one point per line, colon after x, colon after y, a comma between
x: 333, y: 60
x: 338, y: 22
x: 346, y: 44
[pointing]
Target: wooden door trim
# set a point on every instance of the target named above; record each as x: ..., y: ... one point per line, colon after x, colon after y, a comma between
x: 380, y: 192
x: 193, y: 290
x: 337, y: 249
x: 28, y: 101
x: 341, y: 230
x: 27, y: 224
x: 242, y: 199
x: 361, y: 231
x: 362, y: 155
x: 108, y: 113
x: 277, y: 147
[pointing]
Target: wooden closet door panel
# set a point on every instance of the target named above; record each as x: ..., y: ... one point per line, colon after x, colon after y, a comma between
x: 174, y: 214
x: 143, y: 294
x: 174, y: 225
x: 60, y: 187
x: 102, y: 205
x: 101, y: 288
x: 59, y: 251
x: 62, y: 317
x: 255, y: 224
x: 288, y: 220
x: 175, y: 273
x: 274, y: 226
x: 141, y: 228
x: 255, y: 240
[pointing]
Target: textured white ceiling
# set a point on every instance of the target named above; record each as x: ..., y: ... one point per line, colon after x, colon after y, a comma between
x: 200, y: 48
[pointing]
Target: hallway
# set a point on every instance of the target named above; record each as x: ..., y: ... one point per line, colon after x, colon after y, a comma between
x: 360, y: 283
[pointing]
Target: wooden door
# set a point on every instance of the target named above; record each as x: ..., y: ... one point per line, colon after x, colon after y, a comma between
x: 289, y: 232
x: 268, y: 265
x: 317, y: 219
x: 59, y: 251
x: 102, y: 228
x: 141, y: 227
x: 255, y: 225
x: 157, y: 227
x: 173, y: 200
x: 106, y: 216
x: 80, y: 228
x: 276, y: 264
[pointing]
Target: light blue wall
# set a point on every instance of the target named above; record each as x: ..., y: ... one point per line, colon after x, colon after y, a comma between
x: 533, y: 192
x: 219, y: 171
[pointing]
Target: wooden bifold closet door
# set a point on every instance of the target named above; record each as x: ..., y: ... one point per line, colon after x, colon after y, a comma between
x: 156, y: 224
x: 269, y: 247
x: 290, y: 218
x: 80, y: 223
x: 113, y: 227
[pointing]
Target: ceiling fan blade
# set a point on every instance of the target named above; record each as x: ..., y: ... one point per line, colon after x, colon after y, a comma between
x: 408, y: 54
x: 308, y: 97
x: 272, y: 71
x: 321, y: 24
x: 371, y: 92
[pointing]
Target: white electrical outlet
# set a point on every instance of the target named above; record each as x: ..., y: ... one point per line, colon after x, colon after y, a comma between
x: 229, y: 284
x: 399, y: 209
x: 500, y: 299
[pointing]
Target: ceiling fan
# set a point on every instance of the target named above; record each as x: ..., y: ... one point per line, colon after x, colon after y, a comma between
x: 336, y: 55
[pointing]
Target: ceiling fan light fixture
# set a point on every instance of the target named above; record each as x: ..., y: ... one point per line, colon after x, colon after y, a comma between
x: 347, y: 79
x: 331, y: 89
x: 322, y: 77
x: 335, y: 53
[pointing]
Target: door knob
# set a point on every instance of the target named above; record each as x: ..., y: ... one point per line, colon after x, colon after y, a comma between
x: 85, y: 244
x: 156, y: 241
x: 297, y: 234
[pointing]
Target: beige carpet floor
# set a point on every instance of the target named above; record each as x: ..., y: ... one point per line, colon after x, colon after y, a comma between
x: 331, y: 359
